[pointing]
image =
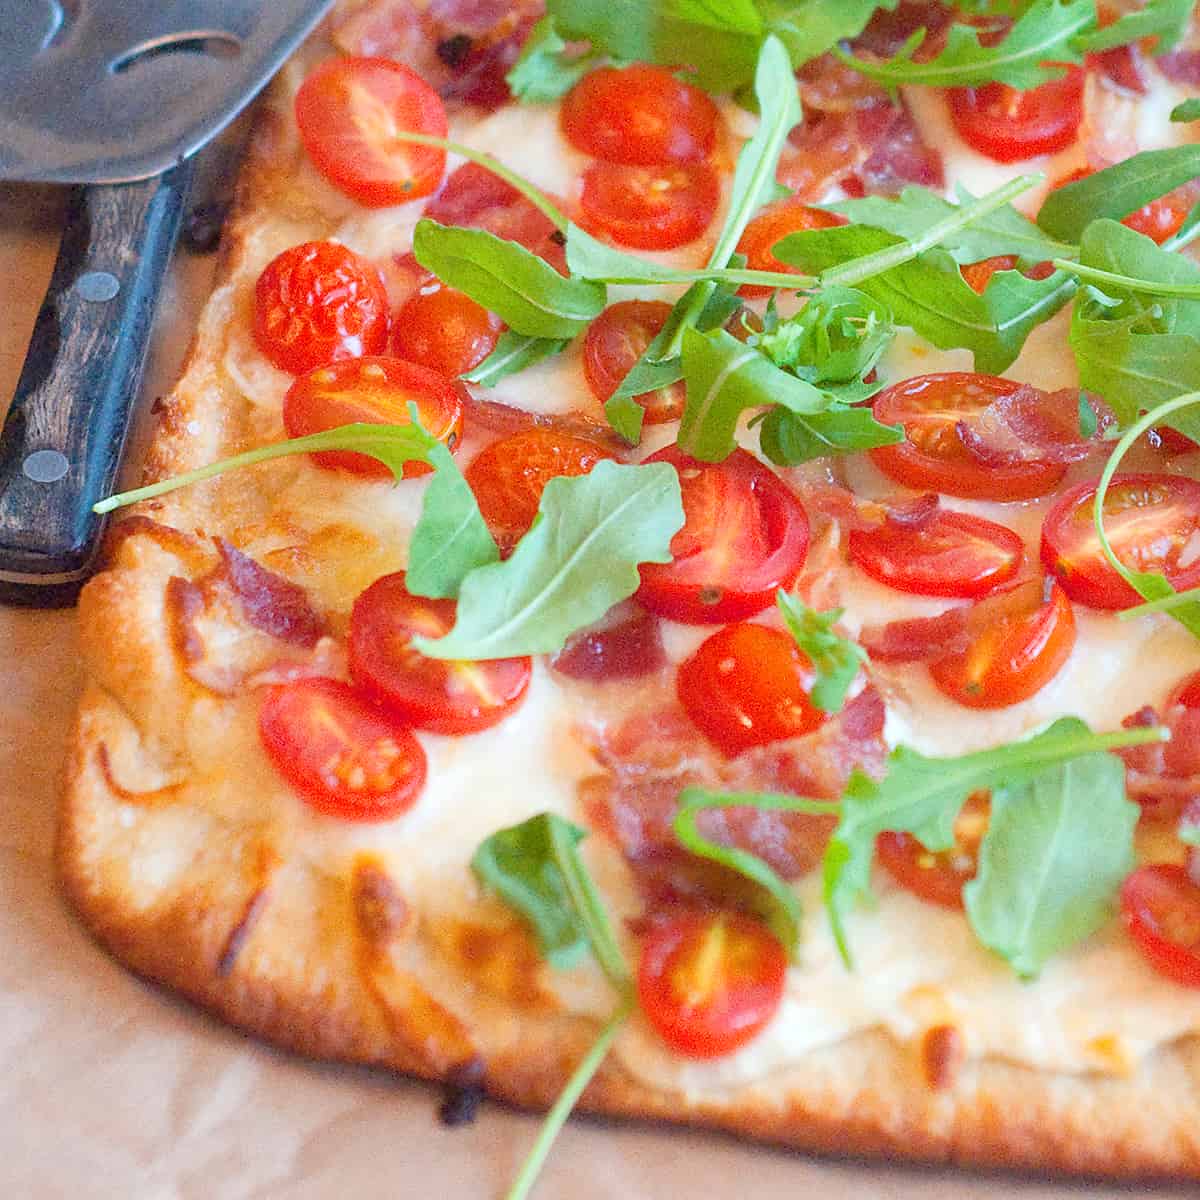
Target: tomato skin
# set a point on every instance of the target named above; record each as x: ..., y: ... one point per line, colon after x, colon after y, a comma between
x: 639, y: 115
x: 344, y: 757
x: 429, y: 693
x: 772, y: 225
x: 615, y: 340
x: 1135, y: 506
x: 444, y: 330
x: 1158, y: 220
x: 649, y: 208
x: 709, y: 982
x: 376, y: 390
x: 745, y: 535
x: 346, y: 110
x: 938, y: 877
x: 932, y: 458
x: 1161, y: 908
x: 1008, y: 125
x: 953, y: 554
x: 1186, y: 693
x: 1014, y: 657
x: 319, y: 303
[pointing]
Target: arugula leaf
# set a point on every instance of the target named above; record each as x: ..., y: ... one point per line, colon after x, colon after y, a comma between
x: 836, y: 660
x: 1057, y: 848
x: 544, y: 71
x: 1187, y: 110
x: 624, y: 29
x: 512, y: 353
x: 1041, y: 38
x: 1166, y: 20
x: 1117, y: 191
x: 579, y: 559
x: 528, y: 294
x: 789, y: 439
x: 810, y: 28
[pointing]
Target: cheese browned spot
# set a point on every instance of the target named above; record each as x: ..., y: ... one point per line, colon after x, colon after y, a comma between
x: 943, y: 1053
x: 267, y: 865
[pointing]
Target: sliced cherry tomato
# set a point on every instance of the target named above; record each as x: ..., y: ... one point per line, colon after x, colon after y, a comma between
x: 745, y: 535
x: 1009, y: 125
x: 444, y: 330
x: 1161, y: 907
x: 1152, y: 523
x: 441, y: 695
x: 772, y: 225
x: 615, y: 340
x: 318, y: 303
x: 1016, y: 654
x: 951, y: 554
x: 649, y: 208
x: 345, y: 757
x: 639, y: 115
x: 748, y: 685
x: 509, y: 476
x: 708, y: 982
x: 1160, y: 219
x: 938, y: 877
x: 377, y: 391
x: 933, y: 457
x: 349, y: 111
x: 1187, y: 693
x: 979, y: 274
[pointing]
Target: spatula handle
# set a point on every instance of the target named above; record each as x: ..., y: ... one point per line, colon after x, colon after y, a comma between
x: 61, y: 443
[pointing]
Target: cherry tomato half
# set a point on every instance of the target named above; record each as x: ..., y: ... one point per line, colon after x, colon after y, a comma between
x: 345, y: 757
x: 745, y: 535
x: 1152, y: 522
x: 938, y: 877
x: 952, y: 554
x: 708, y: 982
x: 444, y: 330
x: 772, y: 225
x: 932, y: 456
x: 748, y: 685
x: 1187, y: 693
x: 1161, y: 907
x: 639, y: 115
x: 444, y: 696
x: 377, y: 391
x: 649, y: 208
x: 615, y: 340
x: 1008, y: 125
x: 1023, y: 645
x: 318, y: 303
x: 349, y: 111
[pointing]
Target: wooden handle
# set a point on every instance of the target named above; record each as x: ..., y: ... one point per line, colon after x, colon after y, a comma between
x: 61, y: 444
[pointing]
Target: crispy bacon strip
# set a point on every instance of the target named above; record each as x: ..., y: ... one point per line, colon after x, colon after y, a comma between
x: 269, y: 602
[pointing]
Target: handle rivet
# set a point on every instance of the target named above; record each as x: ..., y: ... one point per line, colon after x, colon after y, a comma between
x: 97, y: 285
x: 45, y: 466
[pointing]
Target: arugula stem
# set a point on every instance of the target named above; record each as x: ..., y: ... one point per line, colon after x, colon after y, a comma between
x: 556, y: 1118
x: 1129, y: 283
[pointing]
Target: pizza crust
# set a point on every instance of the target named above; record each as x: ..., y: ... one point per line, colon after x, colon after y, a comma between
x: 338, y: 967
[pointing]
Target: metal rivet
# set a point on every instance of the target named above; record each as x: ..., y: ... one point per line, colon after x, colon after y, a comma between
x: 97, y: 285
x: 45, y: 466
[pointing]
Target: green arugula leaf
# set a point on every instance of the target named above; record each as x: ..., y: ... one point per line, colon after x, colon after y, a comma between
x: 1166, y: 20
x: 528, y: 294
x: 1117, y: 191
x: 545, y: 71
x: 1187, y: 233
x: 1187, y: 110
x: 1058, y: 846
x: 836, y: 660
x: 512, y: 353
x: 1041, y: 39
x: 810, y: 28
x: 579, y: 559
x: 789, y: 439
x: 624, y: 29
x: 1189, y: 831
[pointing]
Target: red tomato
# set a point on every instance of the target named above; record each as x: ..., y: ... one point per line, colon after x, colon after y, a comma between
x: 979, y: 274
x: 649, y: 208
x: 952, y: 554
x: 615, y: 340
x: 745, y: 535
x: 640, y: 115
x: 345, y: 758
x: 318, y: 303
x: 938, y: 878
x: 441, y: 695
x: 1008, y: 125
x: 1160, y: 219
x: 509, y: 476
x: 708, y: 982
x: 933, y: 458
x: 1016, y: 654
x: 1152, y: 522
x: 748, y: 685
x: 377, y: 391
x: 444, y: 330
x: 772, y: 225
x: 1161, y: 907
x: 1187, y: 693
x: 349, y: 110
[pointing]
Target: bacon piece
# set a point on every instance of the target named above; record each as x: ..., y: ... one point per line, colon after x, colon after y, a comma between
x: 913, y: 514
x: 918, y: 639
x: 329, y: 660
x: 1123, y: 67
x: 269, y: 602
x: 828, y: 84
x: 887, y: 32
x: 1029, y: 425
x: 1164, y: 777
x: 505, y: 420
x: 899, y: 156
x: 625, y: 645
x: 1180, y: 66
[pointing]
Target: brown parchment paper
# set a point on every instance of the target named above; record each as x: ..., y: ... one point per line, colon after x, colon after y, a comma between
x: 111, y: 1088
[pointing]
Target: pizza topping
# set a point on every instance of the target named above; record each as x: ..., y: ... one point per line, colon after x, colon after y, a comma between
x: 943, y: 1053
x: 268, y: 601
x: 444, y: 330
x: 836, y: 660
x: 1161, y: 907
x: 649, y: 208
x: 626, y: 644
x: 1027, y: 425
x: 268, y: 862
x: 615, y: 341
x: 1164, y: 778
x: 771, y: 225
x: 920, y: 639
x: 1009, y: 125
x: 938, y: 877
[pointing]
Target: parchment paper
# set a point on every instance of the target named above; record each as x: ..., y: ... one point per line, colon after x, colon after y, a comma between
x: 110, y: 1088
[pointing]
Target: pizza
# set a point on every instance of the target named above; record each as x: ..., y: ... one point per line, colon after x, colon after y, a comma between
x: 630, y: 603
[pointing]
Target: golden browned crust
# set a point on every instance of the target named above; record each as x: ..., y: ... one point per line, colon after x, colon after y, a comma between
x: 223, y: 907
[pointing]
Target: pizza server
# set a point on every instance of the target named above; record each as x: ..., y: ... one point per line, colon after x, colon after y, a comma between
x: 114, y: 96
